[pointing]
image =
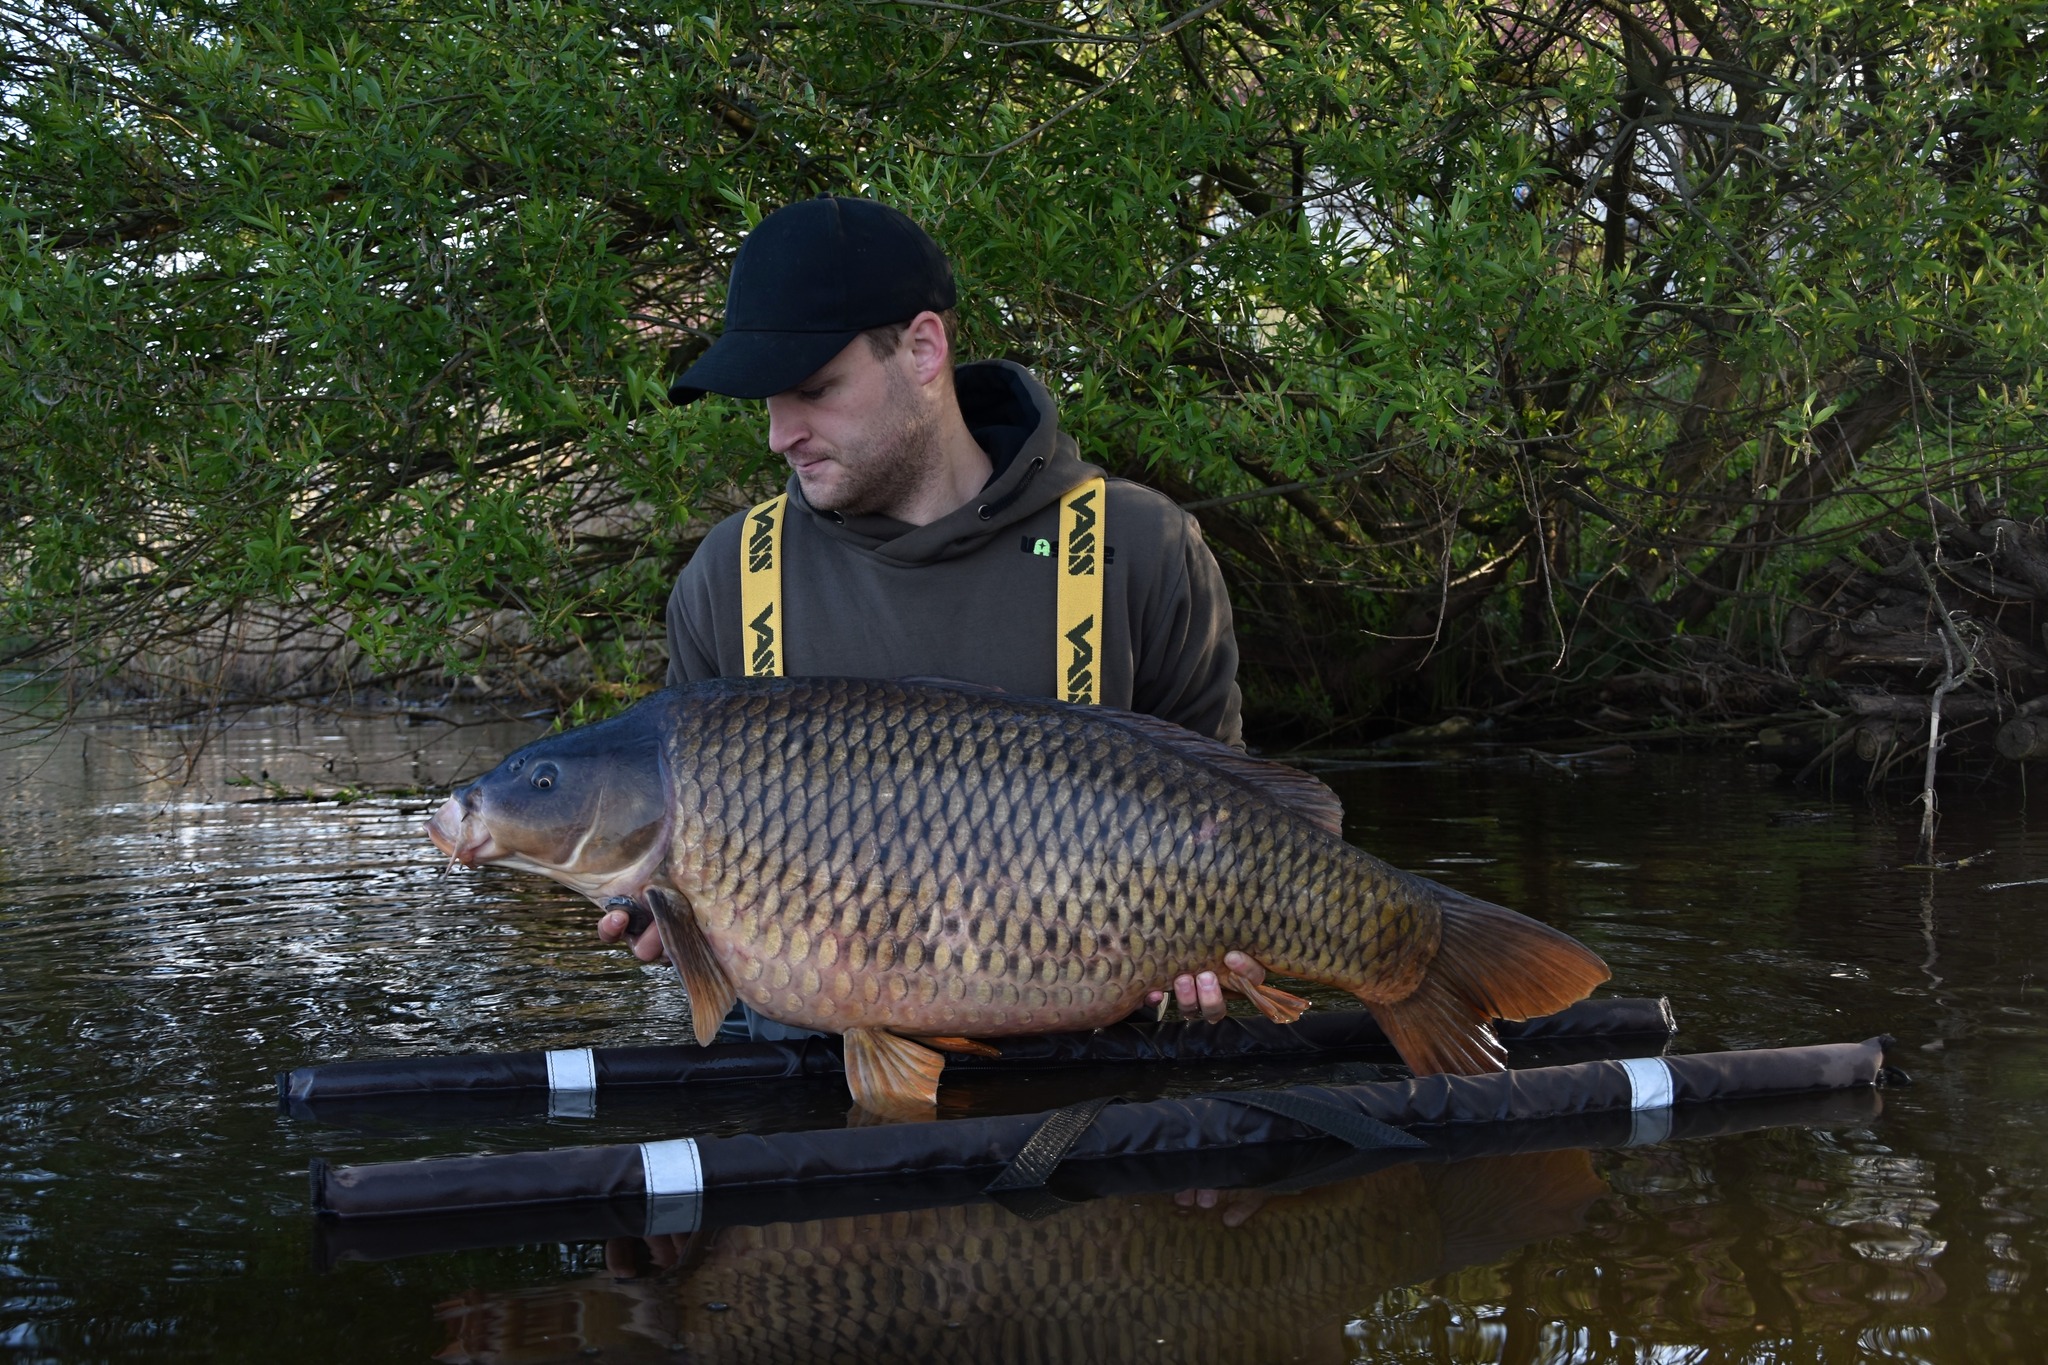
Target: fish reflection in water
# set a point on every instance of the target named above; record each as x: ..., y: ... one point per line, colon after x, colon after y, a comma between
x: 1120, y: 1278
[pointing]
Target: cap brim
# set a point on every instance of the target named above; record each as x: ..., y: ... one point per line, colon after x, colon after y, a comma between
x: 746, y: 364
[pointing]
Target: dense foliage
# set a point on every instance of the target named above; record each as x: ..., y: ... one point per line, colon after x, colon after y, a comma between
x: 1493, y: 343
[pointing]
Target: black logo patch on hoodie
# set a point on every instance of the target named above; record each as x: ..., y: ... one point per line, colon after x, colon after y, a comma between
x: 1042, y: 547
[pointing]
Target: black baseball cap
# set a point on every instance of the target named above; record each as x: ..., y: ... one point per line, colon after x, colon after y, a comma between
x: 813, y: 276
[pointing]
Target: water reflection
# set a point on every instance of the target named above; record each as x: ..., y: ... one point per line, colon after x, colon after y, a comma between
x: 1115, y: 1279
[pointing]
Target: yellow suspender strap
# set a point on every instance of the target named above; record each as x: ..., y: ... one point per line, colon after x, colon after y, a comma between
x: 761, y: 637
x: 1078, y: 650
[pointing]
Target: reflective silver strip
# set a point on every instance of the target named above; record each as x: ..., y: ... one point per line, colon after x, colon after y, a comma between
x: 572, y: 1069
x: 674, y: 1213
x: 572, y: 1104
x: 671, y: 1167
x: 1649, y: 1082
x: 1650, y: 1096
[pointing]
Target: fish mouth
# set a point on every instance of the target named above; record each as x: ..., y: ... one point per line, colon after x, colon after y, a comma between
x: 466, y: 838
x: 447, y: 830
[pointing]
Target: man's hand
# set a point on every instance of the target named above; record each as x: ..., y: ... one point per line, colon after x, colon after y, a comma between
x: 1238, y: 1205
x: 630, y: 1258
x: 1201, y: 993
x: 612, y: 926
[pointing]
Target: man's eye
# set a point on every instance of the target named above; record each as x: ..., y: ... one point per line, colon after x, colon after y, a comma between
x: 810, y: 395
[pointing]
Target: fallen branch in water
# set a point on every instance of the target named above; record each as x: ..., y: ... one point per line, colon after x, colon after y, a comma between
x: 1951, y: 865
x: 1953, y: 646
x: 1835, y: 746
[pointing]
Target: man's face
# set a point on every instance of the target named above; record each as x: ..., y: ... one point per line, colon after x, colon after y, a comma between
x: 857, y: 433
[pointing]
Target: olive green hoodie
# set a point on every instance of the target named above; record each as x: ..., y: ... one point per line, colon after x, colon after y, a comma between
x: 972, y: 596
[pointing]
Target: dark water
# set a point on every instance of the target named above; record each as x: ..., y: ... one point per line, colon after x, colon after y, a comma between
x: 170, y: 937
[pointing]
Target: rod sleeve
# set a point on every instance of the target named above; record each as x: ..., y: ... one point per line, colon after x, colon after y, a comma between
x: 1319, y: 1031
x: 1433, y: 1108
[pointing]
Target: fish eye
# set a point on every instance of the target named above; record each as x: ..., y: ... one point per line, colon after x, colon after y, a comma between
x: 543, y: 777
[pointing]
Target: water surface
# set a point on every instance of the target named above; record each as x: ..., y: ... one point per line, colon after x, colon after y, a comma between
x: 178, y: 923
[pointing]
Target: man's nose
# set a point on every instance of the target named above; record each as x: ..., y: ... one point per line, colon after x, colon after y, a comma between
x: 785, y: 428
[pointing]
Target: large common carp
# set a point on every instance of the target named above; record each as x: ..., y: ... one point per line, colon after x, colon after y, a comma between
x: 908, y: 860
x: 1120, y: 1279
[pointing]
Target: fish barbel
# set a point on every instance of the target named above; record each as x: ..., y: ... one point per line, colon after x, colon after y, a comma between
x: 899, y: 861
x: 1124, y: 1278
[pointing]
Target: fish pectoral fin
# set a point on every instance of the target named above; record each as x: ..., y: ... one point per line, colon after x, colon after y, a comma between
x: 1282, y: 1007
x: 966, y: 1046
x: 711, y: 990
x: 892, y: 1076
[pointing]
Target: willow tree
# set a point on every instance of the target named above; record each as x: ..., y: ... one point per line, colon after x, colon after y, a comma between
x: 1491, y: 343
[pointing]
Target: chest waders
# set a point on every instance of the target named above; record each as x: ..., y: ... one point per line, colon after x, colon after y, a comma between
x: 1077, y: 637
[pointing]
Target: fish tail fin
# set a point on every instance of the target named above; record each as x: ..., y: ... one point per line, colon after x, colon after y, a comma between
x: 1490, y: 963
x: 1489, y: 1206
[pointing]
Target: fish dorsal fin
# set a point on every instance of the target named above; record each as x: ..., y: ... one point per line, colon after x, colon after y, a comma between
x: 1300, y: 792
x: 956, y: 684
x: 711, y: 990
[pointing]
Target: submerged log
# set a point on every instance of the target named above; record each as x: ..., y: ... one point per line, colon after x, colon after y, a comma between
x: 1877, y: 740
x: 1888, y: 706
x: 2024, y: 737
x: 2022, y: 551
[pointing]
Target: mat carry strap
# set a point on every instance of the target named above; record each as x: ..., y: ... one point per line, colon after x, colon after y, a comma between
x: 1332, y: 1120
x: 1021, y: 1185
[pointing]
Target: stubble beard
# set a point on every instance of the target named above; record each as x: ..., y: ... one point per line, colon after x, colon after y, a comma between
x: 886, y: 470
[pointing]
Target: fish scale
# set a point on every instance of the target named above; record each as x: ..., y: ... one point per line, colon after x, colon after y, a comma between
x: 1136, y: 865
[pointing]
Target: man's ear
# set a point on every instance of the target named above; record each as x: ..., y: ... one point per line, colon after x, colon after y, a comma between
x: 931, y: 350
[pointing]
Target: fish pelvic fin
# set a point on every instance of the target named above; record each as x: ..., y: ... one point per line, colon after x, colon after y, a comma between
x: 1490, y: 963
x: 891, y: 1076
x: 711, y: 990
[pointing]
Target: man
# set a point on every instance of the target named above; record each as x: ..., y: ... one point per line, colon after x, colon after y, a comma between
x: 927, y: 509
